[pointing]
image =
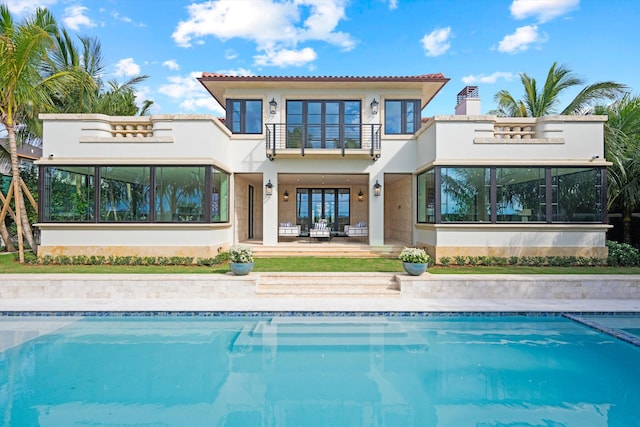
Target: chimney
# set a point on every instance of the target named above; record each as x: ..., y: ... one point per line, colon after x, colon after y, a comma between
x: 468, y: 102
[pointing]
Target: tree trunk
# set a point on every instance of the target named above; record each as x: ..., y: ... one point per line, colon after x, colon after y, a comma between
x: 626, y: 226
x: 8, y: 244
x: 22, y: 221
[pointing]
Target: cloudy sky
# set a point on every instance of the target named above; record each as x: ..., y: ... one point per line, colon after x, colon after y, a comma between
x: 473, y: 42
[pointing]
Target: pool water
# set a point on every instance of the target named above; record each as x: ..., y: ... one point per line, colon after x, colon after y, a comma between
x: 315, y: 371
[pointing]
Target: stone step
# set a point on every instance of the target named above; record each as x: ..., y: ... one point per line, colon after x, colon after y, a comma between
x: 327, y: 250
x: 370, y: 284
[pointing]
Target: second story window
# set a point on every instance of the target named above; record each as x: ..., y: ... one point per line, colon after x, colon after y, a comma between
x: 244, y: 115
x: 401, y: 116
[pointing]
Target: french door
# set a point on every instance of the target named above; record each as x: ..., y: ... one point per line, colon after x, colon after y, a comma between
x: 330, y: 204
x: 323, y: 124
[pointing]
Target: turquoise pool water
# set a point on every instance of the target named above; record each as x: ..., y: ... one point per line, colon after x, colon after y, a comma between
x: 315, y: 371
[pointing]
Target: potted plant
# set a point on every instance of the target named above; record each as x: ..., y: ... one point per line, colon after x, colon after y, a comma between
x: 240, y: 260
x: 414, y: 260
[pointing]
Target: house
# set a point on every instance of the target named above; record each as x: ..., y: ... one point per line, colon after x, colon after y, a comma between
x: 344, y: 152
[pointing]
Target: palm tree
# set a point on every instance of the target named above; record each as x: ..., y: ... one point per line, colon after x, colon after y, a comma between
x: 622, y: 149
x: 538, y: 103
x: 23, y: 90
x: 90, y: 95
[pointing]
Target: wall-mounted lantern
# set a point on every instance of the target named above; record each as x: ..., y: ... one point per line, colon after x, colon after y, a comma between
x: 377, y: 188
x: 272, y: 106
x: 285, y: 196
x: 268, y: 188
x: 374, y: 107
x: 360, y: 196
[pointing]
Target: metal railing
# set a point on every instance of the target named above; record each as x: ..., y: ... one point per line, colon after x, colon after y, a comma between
x: 306, y: 138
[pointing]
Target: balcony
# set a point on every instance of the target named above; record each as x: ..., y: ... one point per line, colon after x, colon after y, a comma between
x: 323, y: 140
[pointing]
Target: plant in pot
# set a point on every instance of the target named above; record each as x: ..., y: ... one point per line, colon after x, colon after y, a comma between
x: 240, y: 260
x: 414, y: 260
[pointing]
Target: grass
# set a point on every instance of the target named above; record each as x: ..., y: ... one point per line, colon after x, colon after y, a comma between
x: 300, y: 264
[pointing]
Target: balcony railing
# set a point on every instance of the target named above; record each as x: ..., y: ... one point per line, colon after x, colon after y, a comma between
x: 344, y: 139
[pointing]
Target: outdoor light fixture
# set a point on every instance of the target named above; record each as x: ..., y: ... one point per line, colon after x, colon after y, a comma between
x: 285, y: 196
x: 360, y: 196
x: 377, y: 188
x: 269, y: 188
x: 272, y: 106
x: 374, y: 107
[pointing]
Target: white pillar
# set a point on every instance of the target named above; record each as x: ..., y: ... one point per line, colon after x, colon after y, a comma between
x: 270, y: 210
x: 376, y: 211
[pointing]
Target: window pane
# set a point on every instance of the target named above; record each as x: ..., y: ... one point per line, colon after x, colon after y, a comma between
x: 179, y: 193
x: 521, y: 194
x: 427, y: 197
x: 253, y: 119
x: 393, y: 117
x: 219, y: 196
x: 69, y: 194
x: 344, y: 205
x: 410, y: 117
x: 294, y: 124
x: 302, y: 209
x: 576, y: 195
x: 236, y: 116
x: 124, y: 193
x: 465, y: 195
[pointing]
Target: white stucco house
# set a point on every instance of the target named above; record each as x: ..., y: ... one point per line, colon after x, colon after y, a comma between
x: 323, y: 158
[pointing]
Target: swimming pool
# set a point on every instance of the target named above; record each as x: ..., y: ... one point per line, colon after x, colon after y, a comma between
x: 315, y: 371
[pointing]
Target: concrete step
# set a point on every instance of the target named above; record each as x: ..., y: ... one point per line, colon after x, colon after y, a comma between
x: 327, y: 250
x: 370, y: 284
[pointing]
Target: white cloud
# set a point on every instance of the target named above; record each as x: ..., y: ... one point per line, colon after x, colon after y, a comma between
x: 75, y: 17
x: 237, y: 72
x: 171, y: 64
x: 190, y: 93
x: 230, y: 54
x: 286, y: 57
x: 490, y: 79
x: 273, y: 26
x: 542, y: 10
x: 393, y: 4
x: 436, y: 43
x: 126, y: 19
x: 521, y: 39
x: 20, y: 7
x: 127, y: 67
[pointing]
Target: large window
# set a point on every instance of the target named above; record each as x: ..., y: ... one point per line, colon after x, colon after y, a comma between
x: 134, y: 194
x: 124, y: 193
x: 521, y: 194
x: 401, y: 116
x: 179, y: 193
x: 244, y: 116
x: 465, y: 194
x: 576, y: 194
x: 323, y: 124
x: 68, y: 194
x: 330, y: 204
x: 511, y: 194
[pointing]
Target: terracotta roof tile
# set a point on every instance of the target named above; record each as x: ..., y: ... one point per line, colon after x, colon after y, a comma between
x: 214, y: 76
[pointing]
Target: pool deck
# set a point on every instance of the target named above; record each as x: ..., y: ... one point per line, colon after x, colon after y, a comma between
x: 318, y: 292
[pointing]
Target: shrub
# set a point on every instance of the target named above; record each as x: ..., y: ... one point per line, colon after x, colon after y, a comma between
x: 622, y: 255
x: 414, y: 255
x: 513, y: 260
x: 445, y: 261
x: 460, y: 259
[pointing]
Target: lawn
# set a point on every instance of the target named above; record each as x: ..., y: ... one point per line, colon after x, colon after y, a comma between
x: 300, y: 264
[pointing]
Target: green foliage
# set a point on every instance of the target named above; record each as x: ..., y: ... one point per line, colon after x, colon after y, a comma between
x: 445, y: 261
x: 460, y: 259
x: 415, y: 255
x: 241, y: 254
x: 622, y: 255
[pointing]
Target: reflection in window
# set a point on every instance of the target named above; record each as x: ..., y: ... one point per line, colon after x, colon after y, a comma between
x: 521, y: 194
x: 125, y: 193
x: 576, y: 195
x: 180, y: 193
x: 68, y: 193
x: 465, y: 194
x: 401, y: 116
x: 219, y: 196
x: 244, y: 116
x: 427, y: 197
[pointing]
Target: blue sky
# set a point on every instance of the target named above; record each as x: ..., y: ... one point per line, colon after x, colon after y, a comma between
x: 473, y: 42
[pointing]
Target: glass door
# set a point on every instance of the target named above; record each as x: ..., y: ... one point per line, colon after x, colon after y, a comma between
x: 330, y: 204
